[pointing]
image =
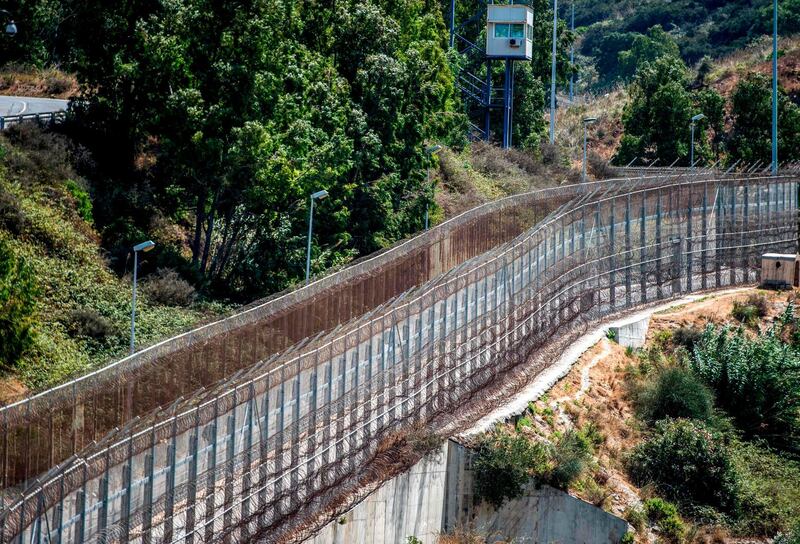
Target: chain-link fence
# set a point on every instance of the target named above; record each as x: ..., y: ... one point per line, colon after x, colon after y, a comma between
x: 261, y: 453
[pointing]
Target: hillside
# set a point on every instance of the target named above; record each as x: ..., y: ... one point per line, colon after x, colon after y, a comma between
x: 81, y: 315
x: 608, y: 420
x: 713, y: 28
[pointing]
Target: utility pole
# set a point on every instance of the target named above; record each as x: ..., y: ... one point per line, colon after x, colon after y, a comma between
x: 572, y: 54
x: 775, y: 86
x: 553, y: 76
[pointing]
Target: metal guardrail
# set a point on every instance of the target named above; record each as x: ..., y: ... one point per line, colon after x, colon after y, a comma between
x: 263, y: 453
x: 45, y: 118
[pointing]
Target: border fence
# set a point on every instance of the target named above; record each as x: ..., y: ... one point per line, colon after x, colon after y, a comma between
x: 259, y: 453
x: 41, y: 431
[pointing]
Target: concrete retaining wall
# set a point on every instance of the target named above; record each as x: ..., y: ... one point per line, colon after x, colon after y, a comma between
x: 435, y: 496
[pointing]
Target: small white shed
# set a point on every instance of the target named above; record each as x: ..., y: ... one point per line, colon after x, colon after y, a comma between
x: 509, y: 31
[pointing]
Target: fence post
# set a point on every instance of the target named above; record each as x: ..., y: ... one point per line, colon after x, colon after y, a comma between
x: 643, y: 248
x: 704, y: 253
x: 211, y: 467
x: 192, y: 478
x: 689, y: 242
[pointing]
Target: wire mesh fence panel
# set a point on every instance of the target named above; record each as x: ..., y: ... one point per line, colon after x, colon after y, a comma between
x: 273, y: 444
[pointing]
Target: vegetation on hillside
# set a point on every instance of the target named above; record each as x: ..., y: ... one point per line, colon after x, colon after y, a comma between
x: 62, y: 310
x: 616, y: 33
x: 710, y: 443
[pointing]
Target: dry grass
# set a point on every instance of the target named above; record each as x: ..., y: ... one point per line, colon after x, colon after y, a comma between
x: 757, y: 57
x: 483, y: 172
x: 603, y: 135
x: 37, y: 82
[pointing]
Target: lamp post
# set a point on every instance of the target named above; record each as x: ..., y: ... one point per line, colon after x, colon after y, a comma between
x: 431, y: 151
x: 11, y: 27
x: 319, y: 195
x: 586, y: 122
x: 695, y: 119
x: 145, y: 247
x: 553, y: 76
x: 572, y: 54
x: 775, y: 86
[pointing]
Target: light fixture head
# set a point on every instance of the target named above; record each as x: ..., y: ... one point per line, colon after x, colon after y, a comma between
x: 587, y: 120
x: 319, y: 195
x: 11, y: 29
x: 144, y: 246
x: 433, y: 149
x: 698, y: 117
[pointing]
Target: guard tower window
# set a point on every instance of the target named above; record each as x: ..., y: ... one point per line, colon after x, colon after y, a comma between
x: 507, y: 30
x: 530, y: 32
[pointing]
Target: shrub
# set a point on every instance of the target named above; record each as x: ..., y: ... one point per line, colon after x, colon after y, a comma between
x: 166, y: 287
x: 627, y: 538
x: 12, y: 218
x: 757, y: 381
x: 674, y: 392
x: 57, y: 82
x: 687, y: 462
x: 686, y: 337
x: 751, y: 310
x: 611, y: 334
x: 89, y: 324
x: 636, y: 517
x: 600, y: 168
x: 571, y: 455
x: 792, y: 537
x: 83, y: 202
x: 503, y: 464
x: 18, y: 294
x: 665, y: 516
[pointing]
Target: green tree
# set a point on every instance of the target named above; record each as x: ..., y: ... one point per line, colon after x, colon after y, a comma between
x: 17, y: 306
x: 225, y: 117
x: 503, y: 464
x: 750, y: 139
x: 657, y: 119
x: 757, y: 381
x: 646, y: 48
x: 688, y: 463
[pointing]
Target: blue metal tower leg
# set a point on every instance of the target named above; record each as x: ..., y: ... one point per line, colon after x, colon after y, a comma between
x: 507, y: 86
x: 511, y: 108
x: 488, y: 112
x: 452, y: 22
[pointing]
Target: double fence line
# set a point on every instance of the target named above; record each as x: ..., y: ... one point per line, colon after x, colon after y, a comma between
x: 42, y: 431
x: 262, y: 453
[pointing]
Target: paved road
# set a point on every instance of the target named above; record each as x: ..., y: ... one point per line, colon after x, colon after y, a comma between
x: 18, y: 105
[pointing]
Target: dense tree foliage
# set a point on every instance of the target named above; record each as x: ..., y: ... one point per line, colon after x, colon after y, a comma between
x: 615, y: 27
x: 657, y: 119
x: 687, y: 461
x: 224, y: 117
x: 757, y: 381
x: 751, y: 138
x: 17, y: 305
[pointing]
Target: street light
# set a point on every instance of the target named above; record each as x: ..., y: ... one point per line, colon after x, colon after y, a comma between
x: 145, y: 247
x: 695, y: 119
x: 319, y: 195
x: 11, y: 28
x: 431, y: 151
x: 586, y: 122
x: 775, y: 86
x: 553, y: 76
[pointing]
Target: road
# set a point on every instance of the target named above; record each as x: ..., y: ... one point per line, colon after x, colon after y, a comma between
x: 19, y: 105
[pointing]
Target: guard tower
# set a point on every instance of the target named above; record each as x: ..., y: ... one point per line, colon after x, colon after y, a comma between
x: 509, y: 32
x: 509, y: 37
